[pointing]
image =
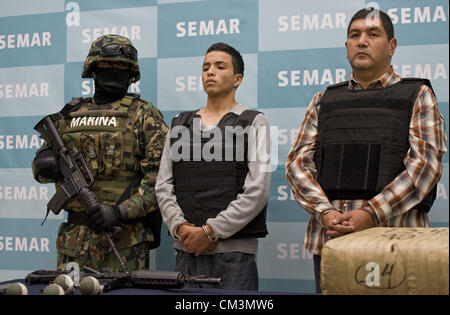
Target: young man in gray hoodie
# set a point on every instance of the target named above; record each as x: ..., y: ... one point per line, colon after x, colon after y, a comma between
x: 212, y: 188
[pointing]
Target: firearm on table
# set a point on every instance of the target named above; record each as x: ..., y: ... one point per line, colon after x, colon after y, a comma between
x: 94, y: 282
x: 77, y: 177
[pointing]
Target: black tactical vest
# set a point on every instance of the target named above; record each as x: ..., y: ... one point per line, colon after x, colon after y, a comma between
x: 363, y: 139
x: 205, y: 184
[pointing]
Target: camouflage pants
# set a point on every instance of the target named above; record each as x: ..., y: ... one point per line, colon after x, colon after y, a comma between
x: 135, y: 257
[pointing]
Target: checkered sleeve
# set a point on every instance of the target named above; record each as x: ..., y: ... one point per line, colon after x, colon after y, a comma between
x: 300, y: 167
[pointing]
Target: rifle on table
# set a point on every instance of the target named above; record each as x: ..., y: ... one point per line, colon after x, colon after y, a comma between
x: 77, y: 177
x: 95, y: 282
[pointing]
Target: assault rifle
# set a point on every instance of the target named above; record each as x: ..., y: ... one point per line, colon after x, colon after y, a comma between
x: 106, y: 281
x: 77, y: 177
x: 73, y: 167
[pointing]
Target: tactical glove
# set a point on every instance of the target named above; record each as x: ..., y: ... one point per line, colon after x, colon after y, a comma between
x: 104, y: 218
x: 45, y: 164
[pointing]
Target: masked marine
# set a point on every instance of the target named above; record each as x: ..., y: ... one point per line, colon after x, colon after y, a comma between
x: 121, y: 138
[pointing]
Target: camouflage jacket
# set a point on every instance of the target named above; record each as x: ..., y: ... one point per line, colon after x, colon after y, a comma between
x: 147, y: 131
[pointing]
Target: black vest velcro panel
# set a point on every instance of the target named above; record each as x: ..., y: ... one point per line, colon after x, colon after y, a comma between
x: 363, y: 138
x: 203, y: 186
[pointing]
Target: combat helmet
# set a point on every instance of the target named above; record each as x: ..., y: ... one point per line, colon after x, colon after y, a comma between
x: 112, y: 47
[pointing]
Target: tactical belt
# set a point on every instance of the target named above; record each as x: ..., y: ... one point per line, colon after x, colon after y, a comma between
x: 79, y: 218
x: 76, y: 217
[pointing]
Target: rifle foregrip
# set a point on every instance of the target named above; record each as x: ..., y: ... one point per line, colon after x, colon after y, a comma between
x: 89, y: 199
x: 168, y: 279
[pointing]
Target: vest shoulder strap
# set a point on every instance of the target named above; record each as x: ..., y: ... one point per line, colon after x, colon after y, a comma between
x: 246, y: 118
x: 183, y: 118
x: 340, y: 84
x: 243, y: 120
x: 129, y: 99
x: 72, y: 106
x: 419, y: 80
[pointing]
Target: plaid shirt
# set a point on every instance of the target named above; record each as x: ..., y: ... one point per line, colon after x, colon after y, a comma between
x: 394, y: 205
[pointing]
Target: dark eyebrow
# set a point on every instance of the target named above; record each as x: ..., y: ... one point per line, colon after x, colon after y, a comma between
x: 376, y: 29
x: 371, y: 29
x: 216, y: 63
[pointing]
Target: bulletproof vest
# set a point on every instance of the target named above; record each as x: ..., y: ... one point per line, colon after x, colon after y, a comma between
x: 104, y: 135
x: 205, y: 184
x: 363, y: 139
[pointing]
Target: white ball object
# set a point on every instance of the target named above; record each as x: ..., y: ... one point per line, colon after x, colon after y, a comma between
x: 17, y: 289
x: 65, y: 282
x: 53, y: 289
x: 90, y: 286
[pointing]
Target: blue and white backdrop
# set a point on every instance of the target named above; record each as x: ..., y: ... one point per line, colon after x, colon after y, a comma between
x: 291, y: 49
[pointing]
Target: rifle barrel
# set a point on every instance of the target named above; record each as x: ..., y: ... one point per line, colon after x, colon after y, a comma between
x: 200, y: 280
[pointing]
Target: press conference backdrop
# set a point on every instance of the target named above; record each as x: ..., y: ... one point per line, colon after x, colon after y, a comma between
x: 291, y: 48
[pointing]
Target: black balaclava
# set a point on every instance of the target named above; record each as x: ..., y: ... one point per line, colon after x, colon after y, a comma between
x: 111, y: 84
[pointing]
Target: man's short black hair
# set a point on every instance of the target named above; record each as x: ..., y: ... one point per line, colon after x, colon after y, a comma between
x: 236, y: 58
x: 385, y: 20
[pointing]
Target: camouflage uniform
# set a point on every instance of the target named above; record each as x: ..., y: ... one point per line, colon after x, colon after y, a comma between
x: 120, y: 141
